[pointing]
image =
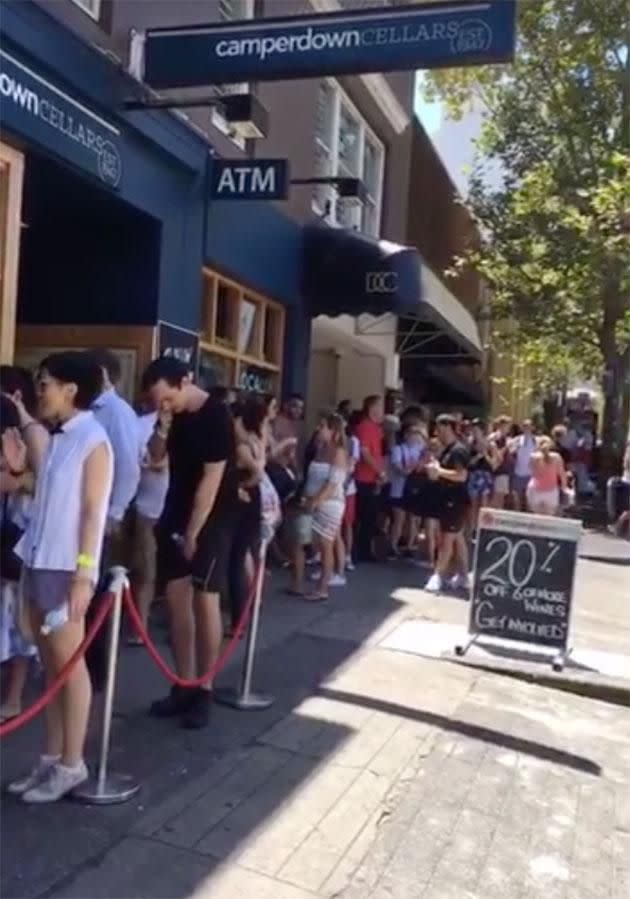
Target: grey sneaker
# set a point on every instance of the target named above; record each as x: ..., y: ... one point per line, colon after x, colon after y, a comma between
x: 59, y: 781
x: 34, y: 777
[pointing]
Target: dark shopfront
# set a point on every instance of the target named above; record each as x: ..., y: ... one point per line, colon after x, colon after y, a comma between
x: 101, y: 213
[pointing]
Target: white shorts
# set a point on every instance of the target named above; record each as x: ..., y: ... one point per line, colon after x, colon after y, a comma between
x: 502, y: 484
x: 548, y: 498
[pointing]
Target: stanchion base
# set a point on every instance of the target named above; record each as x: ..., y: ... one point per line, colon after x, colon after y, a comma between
x: 251, y: 702
x: 117, y: 788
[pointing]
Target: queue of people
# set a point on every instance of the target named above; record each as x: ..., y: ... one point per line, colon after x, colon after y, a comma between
x: 187, y: 492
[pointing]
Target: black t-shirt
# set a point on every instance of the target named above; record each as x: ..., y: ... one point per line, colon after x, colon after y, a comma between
x: 454, y: 457
x: 197, y: 439
x: 478, y: 460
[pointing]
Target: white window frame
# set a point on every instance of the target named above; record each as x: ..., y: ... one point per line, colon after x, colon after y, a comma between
x: 91, y: 8
x: 216, y: 118
x: 340, y: 98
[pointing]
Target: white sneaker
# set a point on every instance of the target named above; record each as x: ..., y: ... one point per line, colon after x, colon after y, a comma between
x: 337, y: 580
x: 315, y: 575
x: 349, y: 565
x: 59, y: 781
x: 455, y: 582
x: 34, y: 777
x: 434, y: 584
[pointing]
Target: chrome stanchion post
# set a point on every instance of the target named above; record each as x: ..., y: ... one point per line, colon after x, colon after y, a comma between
x: 243, y: 698
x: 108, y: 788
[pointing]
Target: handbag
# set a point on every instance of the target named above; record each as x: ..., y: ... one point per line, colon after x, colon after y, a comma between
x: 282, y: 479
x: 10, y: 533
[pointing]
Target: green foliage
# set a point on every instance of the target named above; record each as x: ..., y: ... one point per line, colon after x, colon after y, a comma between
x: 555, y: 231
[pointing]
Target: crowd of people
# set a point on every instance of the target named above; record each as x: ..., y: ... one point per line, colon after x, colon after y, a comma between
x: 189, y: 490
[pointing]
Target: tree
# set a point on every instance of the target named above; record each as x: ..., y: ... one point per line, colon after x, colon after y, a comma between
x: 555, y: 244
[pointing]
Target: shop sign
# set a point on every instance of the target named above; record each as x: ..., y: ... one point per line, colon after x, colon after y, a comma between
x: 345, y: 42
x: 255, y: 380
x: 260, y: 179
x: 523, y: 579
x: 34, y: 108
x: 180, y: 344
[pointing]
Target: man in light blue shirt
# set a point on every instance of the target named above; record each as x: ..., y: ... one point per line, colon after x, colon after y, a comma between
x: 120, y: 422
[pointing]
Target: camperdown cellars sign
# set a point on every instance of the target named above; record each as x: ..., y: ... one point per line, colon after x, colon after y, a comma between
x: 34, y: 108
x: 349, y: 42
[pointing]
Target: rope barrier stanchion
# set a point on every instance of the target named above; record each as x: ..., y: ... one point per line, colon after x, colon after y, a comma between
x: 107, y: 787
x: 243, y: 698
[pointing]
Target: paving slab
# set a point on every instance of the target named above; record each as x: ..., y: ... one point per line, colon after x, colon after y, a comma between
x: 377, y: 773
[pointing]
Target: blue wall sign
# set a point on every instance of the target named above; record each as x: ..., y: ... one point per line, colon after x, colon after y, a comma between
x: 35, y: 109
x: 348, y: 42
x: 249, y: 179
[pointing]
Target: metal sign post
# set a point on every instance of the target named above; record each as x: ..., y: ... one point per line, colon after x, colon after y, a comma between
x: 243, y: 698
x: 108, y: 788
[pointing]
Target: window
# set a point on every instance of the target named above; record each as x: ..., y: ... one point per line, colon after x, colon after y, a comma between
x: 91, y: 7
x: 231, y: 11
x: 242, y: 338
x: 345, y: 145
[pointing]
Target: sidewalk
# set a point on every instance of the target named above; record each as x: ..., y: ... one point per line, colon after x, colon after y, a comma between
x: 377, y: 773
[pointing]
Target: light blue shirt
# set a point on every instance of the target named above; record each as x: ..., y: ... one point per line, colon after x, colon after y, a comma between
x: 403, y: 454
x: 121, y: 425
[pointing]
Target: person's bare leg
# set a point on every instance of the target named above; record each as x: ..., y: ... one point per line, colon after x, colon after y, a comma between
x: 179, y: 598
x: 15, y: 687
x: 445, y: 555
x: 414, y: 527
x: 326, y: 548
x: 54, y: 721
x: 348, y: 540
x: 395, y: 533
x: 297, y: 568
x: 460, y: 547
x: 208, y: 632
x: 431, y: 532
x: 340, y: 555
x: 76, y: 696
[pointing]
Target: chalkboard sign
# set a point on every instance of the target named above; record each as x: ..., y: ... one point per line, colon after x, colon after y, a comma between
x: 523, y: 577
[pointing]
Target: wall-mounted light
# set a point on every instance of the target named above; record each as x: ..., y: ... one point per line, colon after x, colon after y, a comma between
x: 244, y: 113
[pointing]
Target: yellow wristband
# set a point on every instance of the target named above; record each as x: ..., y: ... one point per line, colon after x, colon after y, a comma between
x: 85, y: 561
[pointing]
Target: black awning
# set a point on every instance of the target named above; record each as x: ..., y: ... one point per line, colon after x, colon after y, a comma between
x: 347, y: 273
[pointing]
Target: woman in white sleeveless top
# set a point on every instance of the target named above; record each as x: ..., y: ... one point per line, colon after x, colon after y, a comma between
x: 324, y: 494
x: 60, y: 551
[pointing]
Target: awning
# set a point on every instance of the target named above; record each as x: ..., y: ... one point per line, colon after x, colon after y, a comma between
x: 348, y: 273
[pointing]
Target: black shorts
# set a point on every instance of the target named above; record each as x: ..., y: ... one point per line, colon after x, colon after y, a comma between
x: 208, y: 567
x: 452, y: 516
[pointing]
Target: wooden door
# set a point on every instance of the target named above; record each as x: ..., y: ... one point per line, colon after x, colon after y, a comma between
x: 11, y: 176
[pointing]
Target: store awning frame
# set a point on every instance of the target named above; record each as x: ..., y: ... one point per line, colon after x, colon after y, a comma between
x: 349, y: 273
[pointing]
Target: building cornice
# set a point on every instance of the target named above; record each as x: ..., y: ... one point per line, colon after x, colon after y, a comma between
x: 377, y: 85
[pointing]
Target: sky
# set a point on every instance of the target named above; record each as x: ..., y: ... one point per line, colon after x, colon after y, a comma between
x: 454, y: 141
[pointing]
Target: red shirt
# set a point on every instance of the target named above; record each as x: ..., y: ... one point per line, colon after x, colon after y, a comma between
x: 370, y: 437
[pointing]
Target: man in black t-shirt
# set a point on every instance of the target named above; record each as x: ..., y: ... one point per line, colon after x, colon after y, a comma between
x: 451, y: 473
x: 194, y: 534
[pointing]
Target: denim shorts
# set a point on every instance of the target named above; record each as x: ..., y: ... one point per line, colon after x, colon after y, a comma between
x: 46, y: 589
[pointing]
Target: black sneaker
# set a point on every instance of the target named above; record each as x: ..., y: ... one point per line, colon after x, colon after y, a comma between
x: 197, y: 715
x: 176, y: 703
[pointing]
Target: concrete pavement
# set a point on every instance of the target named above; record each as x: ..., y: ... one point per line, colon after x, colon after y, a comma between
x: 377, y: 773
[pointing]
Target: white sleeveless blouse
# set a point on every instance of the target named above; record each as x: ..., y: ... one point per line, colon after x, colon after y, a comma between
x: 51, y: 539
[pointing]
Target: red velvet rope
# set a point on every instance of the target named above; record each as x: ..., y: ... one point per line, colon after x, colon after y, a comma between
x: 170, y: 675
x: 49, y: 694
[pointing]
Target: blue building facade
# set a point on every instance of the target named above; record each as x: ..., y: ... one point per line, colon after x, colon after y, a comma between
x: 116, y: 223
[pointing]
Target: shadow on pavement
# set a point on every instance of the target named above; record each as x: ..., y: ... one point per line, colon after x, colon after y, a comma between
x: 68, y: 849
x: 476, y: 732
